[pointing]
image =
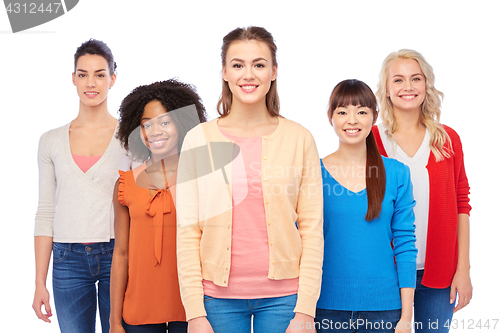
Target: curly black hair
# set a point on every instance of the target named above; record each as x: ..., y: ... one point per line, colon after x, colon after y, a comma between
x: 172, y: 94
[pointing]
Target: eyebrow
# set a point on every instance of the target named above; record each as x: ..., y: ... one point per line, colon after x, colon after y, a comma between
x: 160, y: 116
x: 255, y: 60
x: 97, y: 71
x: 399, y: 75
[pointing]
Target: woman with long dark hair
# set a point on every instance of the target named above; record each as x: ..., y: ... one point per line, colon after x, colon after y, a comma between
x: 367, y: 285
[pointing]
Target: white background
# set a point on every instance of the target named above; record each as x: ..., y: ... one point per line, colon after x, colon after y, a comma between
x: 319, y: 44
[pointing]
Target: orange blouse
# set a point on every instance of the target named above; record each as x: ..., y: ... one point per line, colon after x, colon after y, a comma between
x: 152, y: 295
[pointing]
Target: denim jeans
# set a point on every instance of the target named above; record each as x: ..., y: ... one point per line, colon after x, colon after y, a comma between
x: 77, y: 268
x: 329, y: 321
x: 270, y: 315
x: 431, y: 307
x: 173, y: 327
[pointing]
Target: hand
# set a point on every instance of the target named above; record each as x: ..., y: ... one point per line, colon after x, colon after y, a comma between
x: 42, y: 298
x: 403, y: 326
x: 301, y: 323
x: 199, y: 325
x: 118, y: 328
x: 462, y: 285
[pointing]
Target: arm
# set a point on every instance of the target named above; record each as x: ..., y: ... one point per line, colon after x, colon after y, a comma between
x: 43, y: 228
x: 119, y: 266
x: 310, y: 223
x: 189, y: 237
x: 43, y: 251
x: 404, y: 324
x: 461, y: 282
x: 403, y: 228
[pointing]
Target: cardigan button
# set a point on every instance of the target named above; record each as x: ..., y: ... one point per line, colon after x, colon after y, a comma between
x: 265, y: 179
x: 264, y: 137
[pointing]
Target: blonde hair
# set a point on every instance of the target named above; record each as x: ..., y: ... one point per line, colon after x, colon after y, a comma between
x: 430, y: 110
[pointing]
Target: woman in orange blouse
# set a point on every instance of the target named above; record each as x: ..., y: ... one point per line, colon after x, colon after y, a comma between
x: 144, y: 287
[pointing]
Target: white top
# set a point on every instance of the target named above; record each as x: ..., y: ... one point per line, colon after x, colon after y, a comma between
x: 73, y: 206
x: 420, y: 180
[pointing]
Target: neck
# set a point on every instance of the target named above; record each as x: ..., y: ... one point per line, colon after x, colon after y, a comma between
x: 249, y: 114
x: 408, y: 121
x: 94, y: 115
x: 170, y: 162
x: 352, y: 154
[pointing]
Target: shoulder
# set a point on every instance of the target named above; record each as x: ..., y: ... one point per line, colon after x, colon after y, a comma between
x: 290, y: 125
x: 55, y: 133
x: 454, y: 137
x: 395, y: 167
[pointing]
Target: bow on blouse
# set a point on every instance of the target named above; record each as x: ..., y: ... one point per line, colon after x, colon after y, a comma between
x: 158, y: 205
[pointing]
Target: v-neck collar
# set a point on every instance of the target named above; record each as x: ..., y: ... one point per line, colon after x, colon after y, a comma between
x: 97, y: 165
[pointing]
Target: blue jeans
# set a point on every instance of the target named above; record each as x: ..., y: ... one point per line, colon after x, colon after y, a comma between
x: 431, y: 307
x: 173, y: 327
x: 270, y: 315
x: 76, y: 270
x: 329, y: 321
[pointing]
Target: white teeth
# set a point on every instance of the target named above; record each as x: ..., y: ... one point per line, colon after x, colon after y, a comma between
x: 408, y: 96
x: 248, y: 87
x: 88, y: 93
x: 352, y: 131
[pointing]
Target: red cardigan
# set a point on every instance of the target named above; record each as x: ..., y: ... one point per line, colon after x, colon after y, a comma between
x: 448, y: 197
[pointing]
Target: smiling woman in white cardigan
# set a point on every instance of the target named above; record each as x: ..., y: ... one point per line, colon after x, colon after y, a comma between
x: 78, y: 166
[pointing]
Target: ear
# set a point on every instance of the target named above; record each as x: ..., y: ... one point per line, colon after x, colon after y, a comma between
x: 375, y: 117
x: 275, y: 73
x: 73, y: 78
x: 113, y: 80
x: 224, y: 73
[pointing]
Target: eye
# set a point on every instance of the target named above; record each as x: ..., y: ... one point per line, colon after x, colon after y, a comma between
x: 145, y: 125
x: 260, y: 65
x: 362, y: 112
x: 81, y: 75
x: 101, y: 75
x: 341, y: 112
x: 237, y: 66
x: 417, y: 79
x: 398, y: 80
x: 165, y: 123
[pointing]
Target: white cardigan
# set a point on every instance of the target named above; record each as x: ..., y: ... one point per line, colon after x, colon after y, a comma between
x: 73, y: 206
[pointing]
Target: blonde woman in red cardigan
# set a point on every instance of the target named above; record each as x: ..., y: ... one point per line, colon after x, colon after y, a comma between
x: 411, y: 133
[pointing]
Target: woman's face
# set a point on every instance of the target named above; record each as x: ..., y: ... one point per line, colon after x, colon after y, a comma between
x: 92, y: 79
x: 353, y: 124
x: 406, y: 85
x: 158, y: 132
x: 249, y: 71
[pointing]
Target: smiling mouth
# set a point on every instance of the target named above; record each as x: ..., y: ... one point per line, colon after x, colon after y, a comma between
x: 249, y: 88
x: 352, y: 131
x: 91, y: 94
x: 158, y: 143
x: 408, y: 97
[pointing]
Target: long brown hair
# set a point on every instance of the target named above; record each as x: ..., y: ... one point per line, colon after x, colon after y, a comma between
x: 355, y: 92
x: 242, y: 34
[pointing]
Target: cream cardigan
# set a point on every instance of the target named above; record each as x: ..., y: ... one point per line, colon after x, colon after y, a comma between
x: 76, y: 206
x: 293, y: 201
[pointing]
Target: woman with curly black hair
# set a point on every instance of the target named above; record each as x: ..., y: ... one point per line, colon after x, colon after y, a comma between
x: 144, y: 287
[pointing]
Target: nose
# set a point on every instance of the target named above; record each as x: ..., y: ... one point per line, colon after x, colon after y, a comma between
x: 156, y: 130
x: 249, y: 74
x: 352, y: 118
x: 90, y: 81
x: 408, y: 85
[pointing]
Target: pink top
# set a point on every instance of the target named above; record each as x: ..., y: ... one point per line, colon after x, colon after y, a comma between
x: 85, y: 162
x: 249, y: 247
